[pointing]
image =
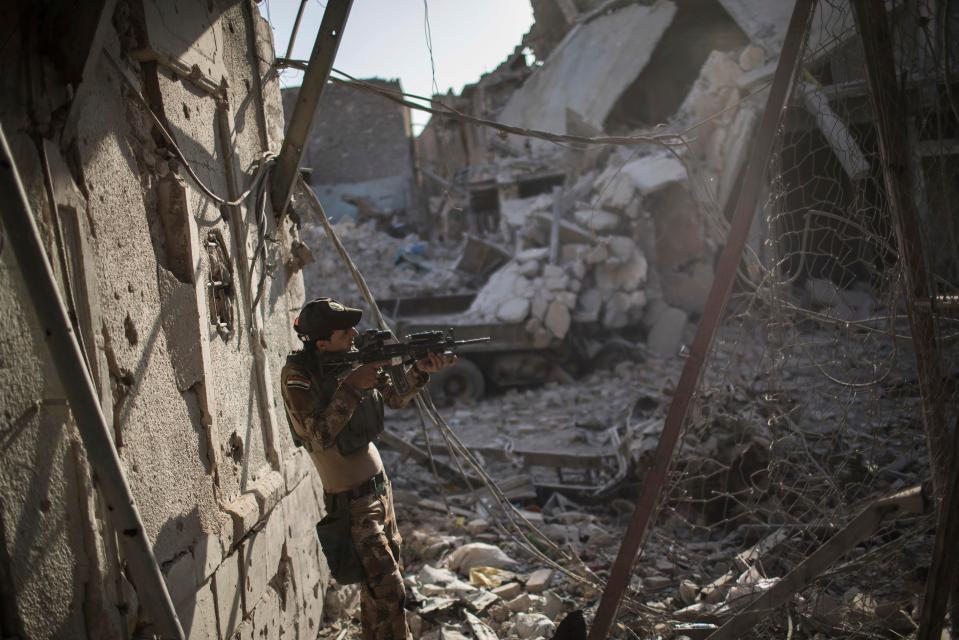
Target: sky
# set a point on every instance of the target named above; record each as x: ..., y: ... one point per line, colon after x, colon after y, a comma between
x: 388, y: 39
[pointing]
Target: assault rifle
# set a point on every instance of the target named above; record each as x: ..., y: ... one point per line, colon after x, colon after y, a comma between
x: 379, y: 346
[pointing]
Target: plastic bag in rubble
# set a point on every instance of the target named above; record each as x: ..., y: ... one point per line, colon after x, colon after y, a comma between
x: 478, y: 554
x: 489, y: 577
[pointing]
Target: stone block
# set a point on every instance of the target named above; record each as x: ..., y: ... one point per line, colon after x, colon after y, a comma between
x: 266, y: 615
x: 597, y: 219
x: 577, y: 269
x: 667, y: 333
x: 244, y: 631
x: 557, y: 319
x: 296, y: 466
x: 559, y: 283
x: 302, y: 511
x: 245, y: 512
x: 687, y: 289
x: 180, y: 578
x: 514, y: 310
x: 310, y: 584
x: 539, y: 580
x: 588, y: 305
x: 539, y: 305
x: 652, y: 173
x: 622, y: 247
x: 631, y: 275
x: 536, y: 253
x: 508, y: 591
x: 597, y: 255
x: 268, y: 490
x: 571, y: 252
x: 529, y: 269
x: 207, y: 555
x: 198, y: 615
x: 228, y: 594
x: 275, y: 532
x: 617, y: 193
x: 616, y: 311
x: 553, y: 271
x: 254, y: 570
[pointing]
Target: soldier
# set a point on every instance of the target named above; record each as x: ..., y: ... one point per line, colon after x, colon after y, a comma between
x: 335, y: 413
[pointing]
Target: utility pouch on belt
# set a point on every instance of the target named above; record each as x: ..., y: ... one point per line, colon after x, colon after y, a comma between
x: 341, y: 555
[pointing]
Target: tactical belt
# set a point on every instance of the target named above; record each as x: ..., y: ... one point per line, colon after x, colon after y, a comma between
x: 374, y: 485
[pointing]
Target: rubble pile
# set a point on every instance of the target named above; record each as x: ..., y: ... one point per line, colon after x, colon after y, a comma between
x: 633, y: 241
x: 393, y: 267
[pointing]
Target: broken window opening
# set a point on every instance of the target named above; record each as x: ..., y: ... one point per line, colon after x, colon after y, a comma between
x: 484, y: 205
x: 543, y: 184
x: 221, y: 298
x: 699, y: 28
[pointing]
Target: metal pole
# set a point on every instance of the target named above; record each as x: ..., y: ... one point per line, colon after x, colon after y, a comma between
x: 296, y: 27
x: 314, y: 81
x: 708, y: 324
x: 65, y: 352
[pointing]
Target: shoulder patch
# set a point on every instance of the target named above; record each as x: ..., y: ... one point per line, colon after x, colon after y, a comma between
x: 299, y: 382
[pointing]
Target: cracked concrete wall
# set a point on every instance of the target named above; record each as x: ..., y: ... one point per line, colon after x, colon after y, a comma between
x: 188, y: 380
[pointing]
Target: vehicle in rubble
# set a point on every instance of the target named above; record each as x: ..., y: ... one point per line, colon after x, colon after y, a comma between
x: 511, y: 358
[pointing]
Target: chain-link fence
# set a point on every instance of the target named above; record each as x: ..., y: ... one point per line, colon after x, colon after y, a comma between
x: 810, y: 406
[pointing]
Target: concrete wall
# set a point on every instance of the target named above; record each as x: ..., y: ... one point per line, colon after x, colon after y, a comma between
x: 195, y: 408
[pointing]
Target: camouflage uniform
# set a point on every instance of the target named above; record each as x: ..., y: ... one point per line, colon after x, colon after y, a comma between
x: 317, y: 417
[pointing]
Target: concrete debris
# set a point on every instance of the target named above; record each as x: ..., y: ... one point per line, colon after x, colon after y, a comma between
x: 478, y: 554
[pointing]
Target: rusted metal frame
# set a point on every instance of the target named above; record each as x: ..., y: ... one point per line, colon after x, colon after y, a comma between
x: 314, y: 81
x: 889, y: 108
x: 941, y: 581
x: 708, y: 324
x: 54, y: 325
x: 907, y: 502
x: 296, y: 27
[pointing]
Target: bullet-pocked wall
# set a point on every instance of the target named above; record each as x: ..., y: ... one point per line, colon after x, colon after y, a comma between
x: 184, y: 310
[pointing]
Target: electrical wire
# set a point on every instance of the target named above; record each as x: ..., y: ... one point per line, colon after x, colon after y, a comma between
x: 265, y: 160
x: 440, y: 109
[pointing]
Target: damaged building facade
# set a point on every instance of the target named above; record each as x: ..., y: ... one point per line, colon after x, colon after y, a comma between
x: 360, y: 153
x: 183, y: 337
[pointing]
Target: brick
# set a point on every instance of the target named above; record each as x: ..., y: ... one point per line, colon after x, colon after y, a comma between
x: 228, y: 594
x: 508, y: 591
x: 245, y: 512
x: 268, y: 491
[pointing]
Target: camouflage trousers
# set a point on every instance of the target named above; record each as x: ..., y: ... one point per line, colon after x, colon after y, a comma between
x: 377, y: 540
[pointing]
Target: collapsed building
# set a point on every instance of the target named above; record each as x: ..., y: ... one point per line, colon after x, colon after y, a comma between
x: 360, y: 154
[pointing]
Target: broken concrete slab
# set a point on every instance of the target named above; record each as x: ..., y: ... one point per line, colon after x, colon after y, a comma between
x: 651, y: 173
x: 604, y: 55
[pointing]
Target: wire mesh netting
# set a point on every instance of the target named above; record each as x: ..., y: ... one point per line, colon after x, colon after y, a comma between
x: 810, y: 407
